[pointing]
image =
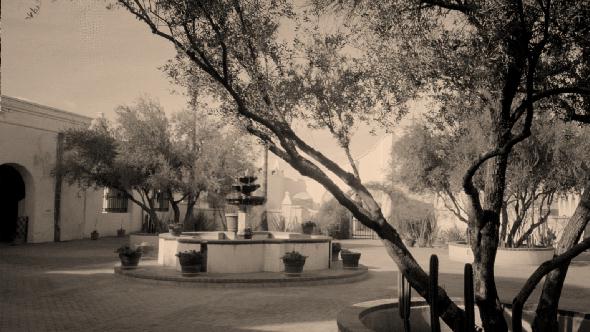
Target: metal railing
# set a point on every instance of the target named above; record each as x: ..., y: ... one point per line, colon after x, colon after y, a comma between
x: 360, y: 231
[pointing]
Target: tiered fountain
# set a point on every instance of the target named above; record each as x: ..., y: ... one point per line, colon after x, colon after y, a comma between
x: 242, y: 197
x: 228, y: 252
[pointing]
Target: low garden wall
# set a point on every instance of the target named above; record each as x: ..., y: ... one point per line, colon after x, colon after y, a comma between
x: 461, y: 252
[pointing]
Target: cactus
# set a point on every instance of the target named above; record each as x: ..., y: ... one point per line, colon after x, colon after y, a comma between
x: 516, y: 316
x: 469, y: 299
x: 432, y: 294
x: 404, y: 303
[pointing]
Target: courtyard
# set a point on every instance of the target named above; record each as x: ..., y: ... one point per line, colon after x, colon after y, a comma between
x: 70, y: 286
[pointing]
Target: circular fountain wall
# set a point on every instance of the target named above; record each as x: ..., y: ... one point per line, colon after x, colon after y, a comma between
x: 262, y: 253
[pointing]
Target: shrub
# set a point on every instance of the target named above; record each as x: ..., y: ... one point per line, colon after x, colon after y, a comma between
x: 293, y: 256
x: 309, y: 223
x: 453, y: 234
x: 335, y: 219
x: 128, y: 251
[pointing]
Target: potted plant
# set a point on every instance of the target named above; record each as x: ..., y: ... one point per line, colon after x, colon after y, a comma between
x: 294, y: 262
x: 129, y: 256
x: 336, y: 247
x: 248, y: 233
x: 334, y: 231
x: 121, y: 232
x: 175, y: 229
x: 350, y: 259
x: 190, y: 262
x: 94, y: 235
x: 307, y: 227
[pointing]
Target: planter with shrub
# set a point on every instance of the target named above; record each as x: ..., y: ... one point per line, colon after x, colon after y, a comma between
x: 94, y: 235
x: 350, y: 259
x: 129, y: 257
x: 248, y: 233
x: 190, y: 262
x: 175, y: 229
x: 294, y: 262
x: 308, y: 227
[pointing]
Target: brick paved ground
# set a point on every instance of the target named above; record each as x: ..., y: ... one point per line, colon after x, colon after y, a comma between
x: 71, y: 287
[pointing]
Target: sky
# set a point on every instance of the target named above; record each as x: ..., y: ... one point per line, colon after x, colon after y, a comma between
x: 78, y: 56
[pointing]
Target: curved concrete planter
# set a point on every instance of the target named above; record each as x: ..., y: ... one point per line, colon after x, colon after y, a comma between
x: 383, y: 315
x: 461, y: 252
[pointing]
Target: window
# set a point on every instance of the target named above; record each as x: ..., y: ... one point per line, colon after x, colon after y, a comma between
x: 115, y: 201
x: 161, y: 202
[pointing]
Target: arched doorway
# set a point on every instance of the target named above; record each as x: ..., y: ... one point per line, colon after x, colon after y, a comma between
x: 12, y: 191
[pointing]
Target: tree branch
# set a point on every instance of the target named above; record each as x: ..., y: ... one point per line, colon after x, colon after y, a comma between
x: 455, y: 209
x: 224, y: 60
x: 535, y: 278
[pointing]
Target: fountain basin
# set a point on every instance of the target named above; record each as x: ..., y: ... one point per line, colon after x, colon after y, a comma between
x: 260, y: 254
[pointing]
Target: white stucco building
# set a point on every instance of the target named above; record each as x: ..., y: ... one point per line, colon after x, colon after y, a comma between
x: 30, y: 148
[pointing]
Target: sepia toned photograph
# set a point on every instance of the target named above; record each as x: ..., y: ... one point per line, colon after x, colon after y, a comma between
x: 295, y: 165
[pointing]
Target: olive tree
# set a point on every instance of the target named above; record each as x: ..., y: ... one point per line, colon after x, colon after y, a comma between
x: 429, y: 160
x: 144, y: 155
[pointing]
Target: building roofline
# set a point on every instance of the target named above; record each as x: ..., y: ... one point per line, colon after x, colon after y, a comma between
x: 17, y: 104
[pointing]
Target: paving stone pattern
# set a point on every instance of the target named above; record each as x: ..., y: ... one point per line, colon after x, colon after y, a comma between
x: 70, y: 286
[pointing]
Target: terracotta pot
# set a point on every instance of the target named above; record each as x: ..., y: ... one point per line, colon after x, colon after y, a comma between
x: 293, y: 268
x: 350, y: 260
x: 190, y: 264
x: 248, y: 234
x: 190, y: 270
x: 175, y: 230
x: 307, y: 229
x: 130, y: 261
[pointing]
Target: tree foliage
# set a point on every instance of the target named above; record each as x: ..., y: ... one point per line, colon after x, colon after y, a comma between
x: 144, y: 154
x: 431, y: 161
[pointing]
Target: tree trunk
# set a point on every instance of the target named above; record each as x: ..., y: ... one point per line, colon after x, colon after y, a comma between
x: 546, y: 317
x: 504, y: 226
x: 154, y: 220
x: 484, y: 243
x: 191, y: 201
x: 176, y: 210
x: 520, y: 215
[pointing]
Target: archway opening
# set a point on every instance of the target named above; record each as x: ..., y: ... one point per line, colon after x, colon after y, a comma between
x: 12, y: 191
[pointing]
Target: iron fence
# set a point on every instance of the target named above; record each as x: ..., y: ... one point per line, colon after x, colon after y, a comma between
x: 360, y: 231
